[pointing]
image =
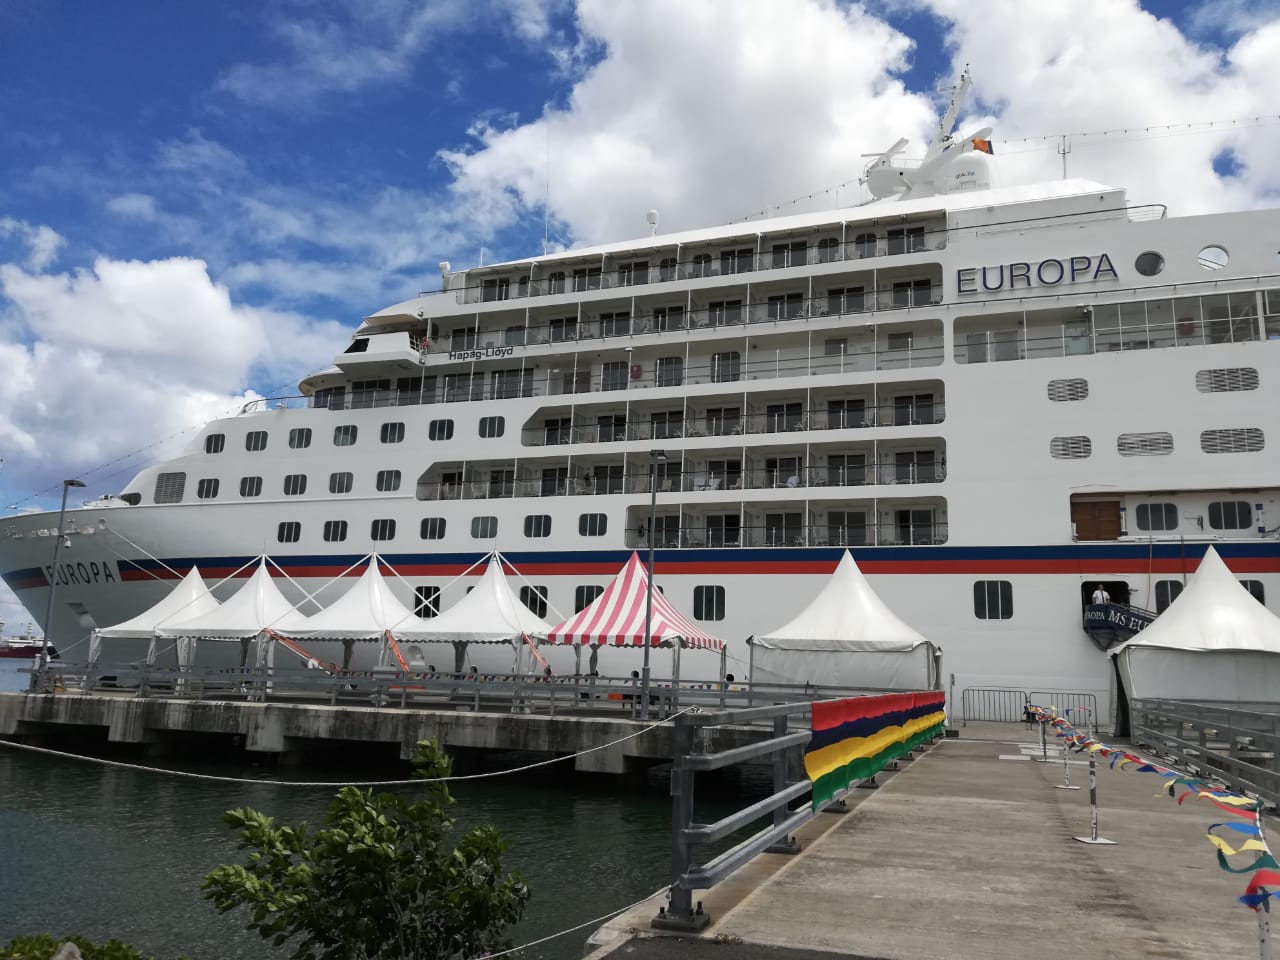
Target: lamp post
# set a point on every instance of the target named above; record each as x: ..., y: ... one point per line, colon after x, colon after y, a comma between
x: 53, y: 572
x: 655, y: 457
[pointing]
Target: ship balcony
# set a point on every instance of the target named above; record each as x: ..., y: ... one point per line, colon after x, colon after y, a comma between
x: 673, y: 426
x: 725, y: 533
x: 515, y: 283
x: 608, y: 478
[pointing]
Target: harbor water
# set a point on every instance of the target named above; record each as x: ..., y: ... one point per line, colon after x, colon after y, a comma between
x: 104, y: 852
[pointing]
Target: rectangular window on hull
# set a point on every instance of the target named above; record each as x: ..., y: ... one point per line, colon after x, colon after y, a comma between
x: 537, y: 525
x: 1229, y: 515
x: 215, y: 443
x: 484, y: 528
x: 1167, y: 591
x: 295, y: 484
x: 585, y: 595
x: 382, y: 530
x: 426, y: 602
x: 344, y: 435
x: 289, y: 532
x: 708, y: 603
x: 993, y: 599
x: 592, y: 524
x: 335, y: 531
x: 535, y: 598
x: 250, y: 486
x: 341, y: 482
x: 388, y: 481
x: 207, y: 489
x: 1156, y: 516
x: 392, y: 432
x: 432, y: 528
x: 255, y: 441
x: 299, y: 438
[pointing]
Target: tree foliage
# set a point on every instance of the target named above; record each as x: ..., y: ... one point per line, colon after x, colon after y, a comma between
x: 42, y: 947
x: 379, y: 880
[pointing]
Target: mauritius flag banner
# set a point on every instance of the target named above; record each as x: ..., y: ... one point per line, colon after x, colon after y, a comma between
x: 853, y: 739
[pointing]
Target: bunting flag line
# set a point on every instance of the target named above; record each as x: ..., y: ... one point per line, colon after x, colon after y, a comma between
x: 1264, y: 867
x: 854, y: 739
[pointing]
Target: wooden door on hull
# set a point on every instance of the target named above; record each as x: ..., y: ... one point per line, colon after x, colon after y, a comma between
x: 1096, y: 519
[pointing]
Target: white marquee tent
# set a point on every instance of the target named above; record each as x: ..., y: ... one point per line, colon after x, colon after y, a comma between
x: 247, y: 615
x: 846, y: 637
x: 1214, y: 642
x: 189, y: 599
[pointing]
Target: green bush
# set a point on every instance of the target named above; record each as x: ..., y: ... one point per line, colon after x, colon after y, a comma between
x: 42, y: 947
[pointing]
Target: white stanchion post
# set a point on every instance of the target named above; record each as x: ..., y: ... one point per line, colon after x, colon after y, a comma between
x: 1264, y: 930
x: 1093, y: 837
x: 1066, y: 783
x: 1044, y: 743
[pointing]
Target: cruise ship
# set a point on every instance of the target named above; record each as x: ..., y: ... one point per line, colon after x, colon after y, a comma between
x: 997, y: 397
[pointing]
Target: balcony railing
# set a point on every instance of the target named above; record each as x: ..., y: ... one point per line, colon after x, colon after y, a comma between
x: 751, y: 424
x: 811, y: 535
x: 699, y: 478
x: 620, y: 276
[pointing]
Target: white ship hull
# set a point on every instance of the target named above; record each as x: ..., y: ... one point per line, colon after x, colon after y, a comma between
x: 1008, y: 411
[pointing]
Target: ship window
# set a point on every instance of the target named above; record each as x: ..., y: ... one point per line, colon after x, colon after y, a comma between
x: 1213, y: 257
x: 1149, y: 264
x: 392, y: 432
x: 722, y: 312
x: 299, y: 438
x: 250, y: 486
x: 847, y: 528
x: 1232, y: 440
x: 537, y: 525
x: 828, y: 249
x: 668, y: 318
x: 207, y: 489
x: 535, y: 598
x: 1227, y: 379
x: 1073, y: 389
x: 726, y: 367
x: 1255, y: 589
x: 335, y: 531
x: 388, y: 481
x: 708, y: 603
x: 359, y: 345
x: 587, y: 278
x: 426, y: 602
x: 864, y: 245
x: 215, y: 442
x: 295, y: 484
x: 432, y: 528
x: 1166, y: 592
x: 493, y: 426
x: 1070, y: 448
x: 785, y: 306
x: 344, y: 435
x: 992, y: 599
x: 169, y: 488
x: 836, y: 347
x: 255, y: 440
x: 290, y: 531
x: 382, y: 529
x: 592, y: 524
x: 701, y: 265
x: 1157, y: 516
x: 846, y: 300
x: 440, y: 430
x: 899, y: 341
x: 670, y: 371
x: 613, y: 375
x: 484, y: 528
x: 585, y: 595
x: 615, y: 324
x: 341, y: 482
x: 735, y: 261
x: 1156, y: 444
x: 555, y: 282
x: 1230, y: 515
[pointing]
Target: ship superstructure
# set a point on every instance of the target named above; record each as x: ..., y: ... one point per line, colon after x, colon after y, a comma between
x: 996, y: 397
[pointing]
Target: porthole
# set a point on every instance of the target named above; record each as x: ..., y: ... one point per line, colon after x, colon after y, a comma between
x: 1149, y: 264
x: 1213, y: 257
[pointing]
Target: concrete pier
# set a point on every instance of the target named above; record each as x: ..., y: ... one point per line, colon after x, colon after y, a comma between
x: 967, y: 854
x: 279, y: 728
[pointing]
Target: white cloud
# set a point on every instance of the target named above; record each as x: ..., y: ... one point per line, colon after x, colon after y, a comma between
x: 133, y: 206
x: 1095, y: 65
x: 128, y: 353
x: 743, y: 104
x: 42, y: 242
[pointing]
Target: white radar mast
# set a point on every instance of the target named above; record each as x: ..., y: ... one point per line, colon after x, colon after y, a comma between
x: 948, y: 165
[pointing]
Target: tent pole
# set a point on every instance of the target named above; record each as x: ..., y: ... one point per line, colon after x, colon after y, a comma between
x: 675, y: 675
x: 751, y: 670
x: 724, y: 663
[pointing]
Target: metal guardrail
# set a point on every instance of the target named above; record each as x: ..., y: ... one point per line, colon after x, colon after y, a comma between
x: 1005, y: 704
x: 783, y: 749
x: 392, y: 687
x: 1009, y: 704
x: 1235, y: 743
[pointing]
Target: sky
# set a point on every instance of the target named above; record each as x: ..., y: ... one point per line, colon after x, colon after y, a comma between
x: 198, y: 202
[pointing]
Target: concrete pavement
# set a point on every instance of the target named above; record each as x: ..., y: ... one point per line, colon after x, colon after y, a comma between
x: 967, y: 854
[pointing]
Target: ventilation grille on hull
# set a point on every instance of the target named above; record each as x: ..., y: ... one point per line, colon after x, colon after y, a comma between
x: 1074, y: 389
x: 1227, y: 378
x: 1232, y: 440
x: 1070, y: 448
x: 1157, y: 444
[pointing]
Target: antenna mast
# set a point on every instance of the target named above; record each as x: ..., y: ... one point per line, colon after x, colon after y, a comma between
x: 1063, y: 149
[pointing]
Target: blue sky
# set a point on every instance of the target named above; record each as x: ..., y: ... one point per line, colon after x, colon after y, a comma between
x: 199, y: 201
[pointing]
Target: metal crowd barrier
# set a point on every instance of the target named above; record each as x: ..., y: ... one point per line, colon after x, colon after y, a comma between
x: 390, y: 687
x: 1237, y: 744
x: 992, y: 703
x: 790, y: 733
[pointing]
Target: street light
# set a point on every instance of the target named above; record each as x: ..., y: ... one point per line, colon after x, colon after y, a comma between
x: 53, y: 572
x: 655, y: 457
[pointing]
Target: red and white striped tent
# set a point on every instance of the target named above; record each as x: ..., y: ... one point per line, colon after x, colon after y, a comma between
x: 616, y: 617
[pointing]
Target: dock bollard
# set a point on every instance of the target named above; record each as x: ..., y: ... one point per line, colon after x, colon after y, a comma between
x: 1093, y: 807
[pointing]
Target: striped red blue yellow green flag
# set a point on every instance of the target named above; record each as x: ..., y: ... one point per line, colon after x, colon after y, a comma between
x: 854, y: 739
